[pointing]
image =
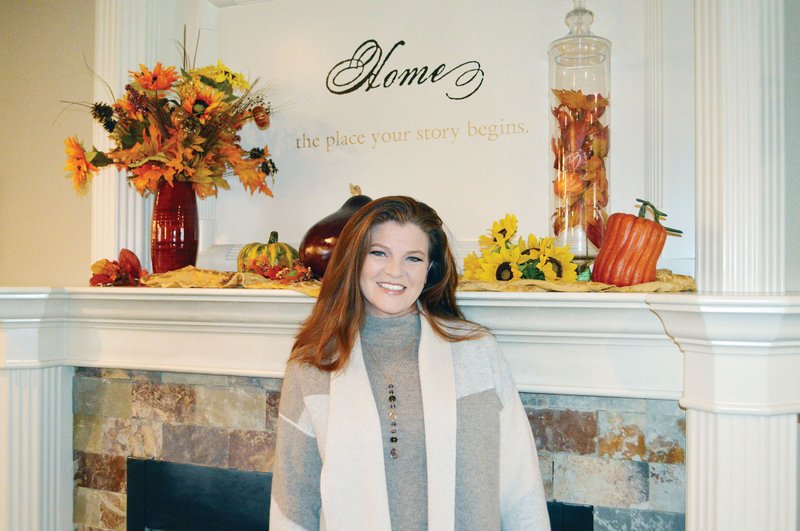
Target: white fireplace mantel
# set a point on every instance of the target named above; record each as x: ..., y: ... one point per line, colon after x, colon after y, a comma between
x: 572, y: 343
x: 601, y: 344
x: 697, y: 348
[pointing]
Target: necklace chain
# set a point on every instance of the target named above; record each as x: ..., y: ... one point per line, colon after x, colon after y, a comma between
x: 392, y: 414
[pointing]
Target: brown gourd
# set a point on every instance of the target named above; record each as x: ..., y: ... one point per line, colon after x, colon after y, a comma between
x: 318, y: 242
x: 631, y: 247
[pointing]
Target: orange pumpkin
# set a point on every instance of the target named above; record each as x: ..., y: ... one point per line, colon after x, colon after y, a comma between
x: 631, y: 247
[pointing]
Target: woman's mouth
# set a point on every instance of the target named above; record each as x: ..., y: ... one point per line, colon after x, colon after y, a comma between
x: 394, y: 288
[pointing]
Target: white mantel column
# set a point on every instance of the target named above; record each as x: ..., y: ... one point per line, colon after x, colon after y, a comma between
x: 742, y: 396
x: 740, y: 146
x: 741, y: 342
x: 35, y: 413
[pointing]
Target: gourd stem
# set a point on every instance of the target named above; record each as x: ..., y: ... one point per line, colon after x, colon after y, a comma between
x: 273, y: 237
x: 656, y: 215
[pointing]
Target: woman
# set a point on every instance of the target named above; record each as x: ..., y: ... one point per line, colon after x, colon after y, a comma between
x: 396, y: 412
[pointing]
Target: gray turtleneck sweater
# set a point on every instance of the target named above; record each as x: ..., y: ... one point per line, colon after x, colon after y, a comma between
x: 390, y: 348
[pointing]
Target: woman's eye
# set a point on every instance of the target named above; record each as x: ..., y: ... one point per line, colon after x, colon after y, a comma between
x: 415, y: 258
x: 377, y: 253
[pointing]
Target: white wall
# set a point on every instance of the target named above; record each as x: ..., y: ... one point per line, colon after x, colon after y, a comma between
x: 44, y: 226
x: 471, y: 181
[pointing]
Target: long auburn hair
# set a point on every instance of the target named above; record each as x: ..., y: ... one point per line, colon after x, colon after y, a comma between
x: 327, y: 336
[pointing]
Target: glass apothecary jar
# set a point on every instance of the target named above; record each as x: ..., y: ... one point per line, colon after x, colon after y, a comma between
x: 580, y: 78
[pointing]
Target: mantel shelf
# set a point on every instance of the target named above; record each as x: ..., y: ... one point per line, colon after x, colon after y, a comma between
x: 603, y: 344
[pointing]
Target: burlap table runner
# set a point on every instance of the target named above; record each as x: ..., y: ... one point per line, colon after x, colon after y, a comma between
x: 191, y: 277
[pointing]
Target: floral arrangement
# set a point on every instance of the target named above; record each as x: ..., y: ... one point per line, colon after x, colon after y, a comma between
x: 260, y: 265
x: 126, y: 271
x: 532, y: 258
x: 181, y: 126
x: 580, y: 149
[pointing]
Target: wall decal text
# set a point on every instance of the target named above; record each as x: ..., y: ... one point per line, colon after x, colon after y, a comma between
x: 367, y: 69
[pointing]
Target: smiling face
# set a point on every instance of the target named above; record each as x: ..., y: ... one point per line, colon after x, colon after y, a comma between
x: 395, y: 269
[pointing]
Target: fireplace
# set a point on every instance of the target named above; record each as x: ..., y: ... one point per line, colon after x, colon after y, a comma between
x: 601, y: 458
x: 199, y: 385
x: 181, y: 497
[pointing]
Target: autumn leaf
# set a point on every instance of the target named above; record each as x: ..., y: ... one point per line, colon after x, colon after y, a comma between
x: 596, y: 226
x: 558, y: 151
x: 131, y: 266
x: 573, y: 99
x: 252, y: 178
x: 595, y: 103
x: 575, y: 161
x: 127, y: 271
x: 569, y: 186
x: 105, y: 273
x: 105, y: 267
x: 593, y: 167
x: 574, y: 135
x: 600, y: 142
x: 574, y: 218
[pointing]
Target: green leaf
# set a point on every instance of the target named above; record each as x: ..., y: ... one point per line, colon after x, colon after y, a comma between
x: 530, y: 271
x: 225, y: 86
x: 98, y: 158
x: 158, y: 157
x: 132, y: 136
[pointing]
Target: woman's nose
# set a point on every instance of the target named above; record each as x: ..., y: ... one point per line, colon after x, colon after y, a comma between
x: 394, y: 267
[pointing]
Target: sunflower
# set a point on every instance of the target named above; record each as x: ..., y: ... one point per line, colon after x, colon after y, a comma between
x: 501, y: 264
x: 556, y: 262
x: 529, y: 257
x: 502, y: 232
x: 532, y: 258
x: 201, y: 102
x: 78, y: 164
x: 159, y: 79
x: 472, y: 264
x: 221, y: 74
x: 530, y: 249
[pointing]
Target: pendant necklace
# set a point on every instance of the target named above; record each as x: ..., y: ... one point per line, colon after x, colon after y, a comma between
x: 392, y: 414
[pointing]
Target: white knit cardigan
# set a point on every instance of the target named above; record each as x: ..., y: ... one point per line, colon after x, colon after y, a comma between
x: 348, y: 435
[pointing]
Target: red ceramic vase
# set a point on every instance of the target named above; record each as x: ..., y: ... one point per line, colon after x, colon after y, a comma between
x: 173, y: 232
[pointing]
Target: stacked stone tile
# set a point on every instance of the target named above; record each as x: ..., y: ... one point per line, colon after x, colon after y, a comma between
x: 624, y: 456
x: 219, y: 421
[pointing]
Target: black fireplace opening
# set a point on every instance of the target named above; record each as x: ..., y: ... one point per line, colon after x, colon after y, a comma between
x: 167, y: 496
x: 570, y: 517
